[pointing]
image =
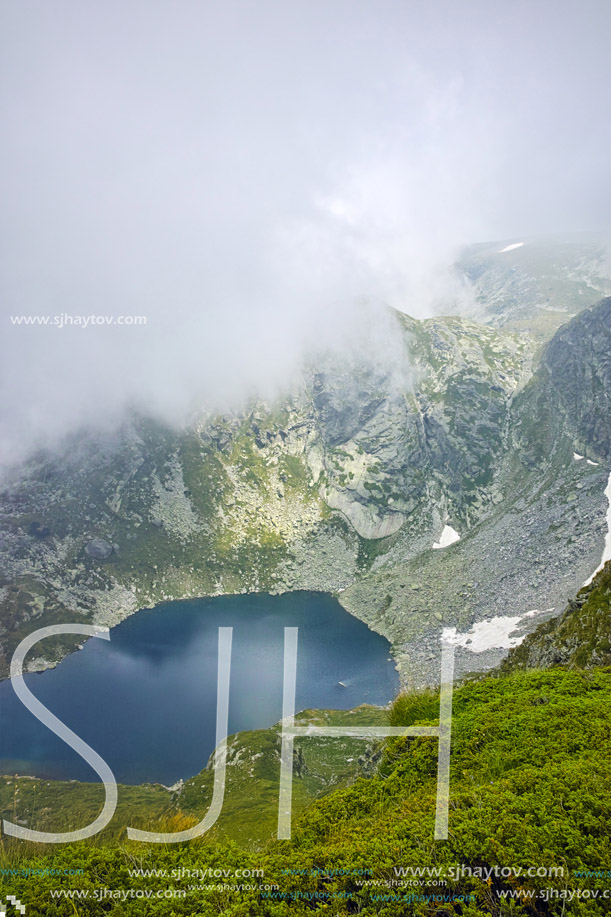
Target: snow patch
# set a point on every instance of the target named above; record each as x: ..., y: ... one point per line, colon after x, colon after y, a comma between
x: 486, y: 635
x: 510, y: 248
x: 448, y: 536
x: 590, y: 462
x: 501, y: 632
x: 577, y: 456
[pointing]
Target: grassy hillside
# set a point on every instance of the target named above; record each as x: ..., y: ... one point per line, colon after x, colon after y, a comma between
x: 530, y: 775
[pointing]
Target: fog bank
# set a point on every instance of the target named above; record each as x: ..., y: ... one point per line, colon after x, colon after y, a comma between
x: 242, y: 174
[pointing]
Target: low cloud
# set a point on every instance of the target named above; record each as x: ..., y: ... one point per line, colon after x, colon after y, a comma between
x: 245, y: 175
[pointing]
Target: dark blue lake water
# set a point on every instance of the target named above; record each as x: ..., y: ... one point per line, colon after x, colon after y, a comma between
x: 146, y: 699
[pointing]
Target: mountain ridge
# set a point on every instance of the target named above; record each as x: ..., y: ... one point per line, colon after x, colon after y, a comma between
x: 343, y: 486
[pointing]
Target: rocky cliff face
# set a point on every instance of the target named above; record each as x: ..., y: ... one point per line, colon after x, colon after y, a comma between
x: 574, y: 383
x: 343, y: 485
x: 390, y: 453
x: 538, y: 539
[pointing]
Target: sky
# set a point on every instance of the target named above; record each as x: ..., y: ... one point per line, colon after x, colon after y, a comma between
x: 243, y: 174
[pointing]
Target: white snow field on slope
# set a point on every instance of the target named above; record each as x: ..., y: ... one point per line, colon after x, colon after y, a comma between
x: 499, y: 632
x: 448, y: 536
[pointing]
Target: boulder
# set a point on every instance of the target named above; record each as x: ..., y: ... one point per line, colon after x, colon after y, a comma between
x: 99, y: 549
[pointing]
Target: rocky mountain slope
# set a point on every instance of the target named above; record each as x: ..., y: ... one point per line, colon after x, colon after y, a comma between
x: 534, y: 286
x: 357, y: 482
x: 581, y: 637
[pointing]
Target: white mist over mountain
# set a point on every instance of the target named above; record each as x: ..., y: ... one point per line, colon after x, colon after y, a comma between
x: 242, y: 174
